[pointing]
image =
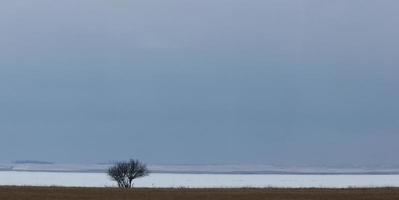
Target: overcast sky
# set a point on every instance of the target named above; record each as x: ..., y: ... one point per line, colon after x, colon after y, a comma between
x: 213, y: 81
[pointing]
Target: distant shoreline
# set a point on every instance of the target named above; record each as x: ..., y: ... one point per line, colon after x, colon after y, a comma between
x: 215, y: 173
x: 206, y: 169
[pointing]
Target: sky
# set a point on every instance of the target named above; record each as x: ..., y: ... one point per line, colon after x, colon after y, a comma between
x: 306, y: 82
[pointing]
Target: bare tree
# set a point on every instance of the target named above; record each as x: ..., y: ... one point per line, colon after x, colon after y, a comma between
x: 125, y: 172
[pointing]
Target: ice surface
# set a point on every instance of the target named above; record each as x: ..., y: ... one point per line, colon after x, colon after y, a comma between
x: 199, y: 180
x: 195, y: 176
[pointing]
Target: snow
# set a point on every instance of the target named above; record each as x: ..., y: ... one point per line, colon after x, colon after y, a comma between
x: 163, y: 180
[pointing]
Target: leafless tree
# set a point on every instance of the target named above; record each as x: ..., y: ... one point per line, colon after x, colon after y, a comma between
x: 125, y: 172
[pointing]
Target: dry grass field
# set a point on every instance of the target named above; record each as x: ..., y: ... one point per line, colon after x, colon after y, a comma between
x: 58, y: 193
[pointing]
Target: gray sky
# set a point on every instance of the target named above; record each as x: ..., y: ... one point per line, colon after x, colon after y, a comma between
x: 212, y: 81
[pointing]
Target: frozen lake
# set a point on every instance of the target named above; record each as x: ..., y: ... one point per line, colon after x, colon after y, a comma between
x: 199, y: 180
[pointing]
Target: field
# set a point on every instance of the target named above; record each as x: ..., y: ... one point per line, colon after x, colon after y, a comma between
x: 59, y: 193
x: 164, y: 180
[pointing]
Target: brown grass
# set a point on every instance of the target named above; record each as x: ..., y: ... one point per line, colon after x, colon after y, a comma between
x: 58, y: 193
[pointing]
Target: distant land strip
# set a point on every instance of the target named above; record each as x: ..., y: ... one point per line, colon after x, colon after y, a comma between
x: 271, y: 172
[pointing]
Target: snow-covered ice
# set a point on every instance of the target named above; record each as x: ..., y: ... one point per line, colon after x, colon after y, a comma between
x: 162, y: 180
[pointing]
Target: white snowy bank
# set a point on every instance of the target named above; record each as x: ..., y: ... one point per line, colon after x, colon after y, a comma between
x: 163, y: 180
